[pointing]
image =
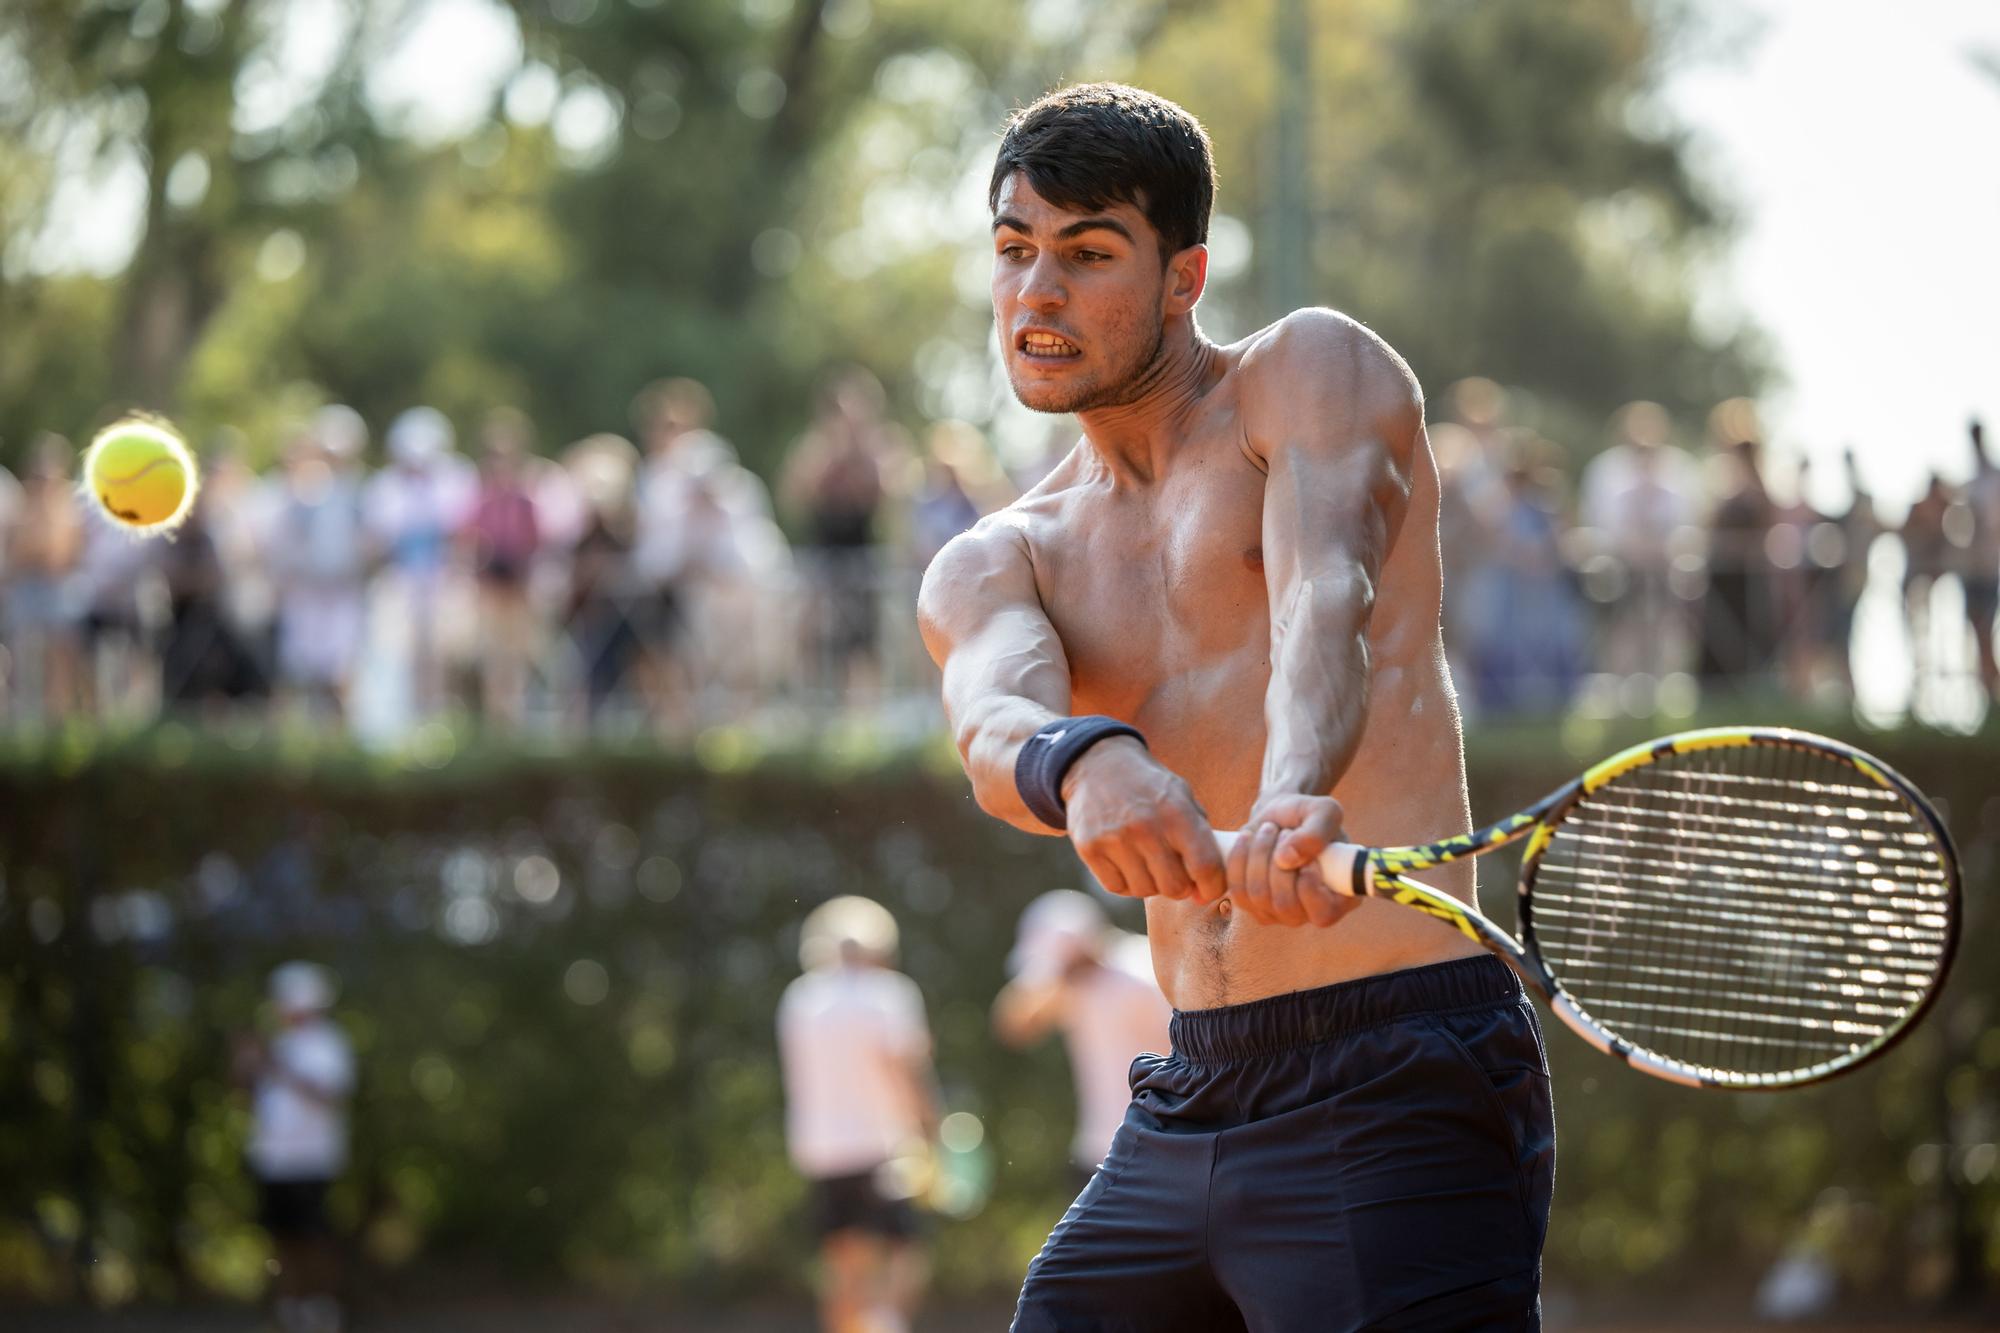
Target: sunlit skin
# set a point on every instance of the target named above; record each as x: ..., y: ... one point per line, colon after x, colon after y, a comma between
x: 1230, y: 508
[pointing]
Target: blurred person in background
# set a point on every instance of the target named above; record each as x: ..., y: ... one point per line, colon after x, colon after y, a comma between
x: 673, y: 418
x: 944, y: 505
x: 1982, y: 556
x: 861, y: 1106
x: 745, y: 597
x: 316, y: 552
x: 413, y: 508
x: 1805, y: 549
x: 300, y: 1079
x: 836, y: 480
x: 1927, y: 556
x: 561, y: 514
x: 1859, y: 527
x: 44, y: 548
x: 603, y: 602
x: 236, y: 507
x: 1472, y: 502
x: 1530, y: 651
x: 12, y: 498
x: 1075, y: 973
x: 719, y: 590
x: 503, y: 534
x: 204, y: 662
x: 122, y: 611
x: 1640, y: 499
x: 1737, y: 616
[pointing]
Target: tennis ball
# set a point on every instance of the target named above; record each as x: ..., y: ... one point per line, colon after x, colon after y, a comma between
x: 140, y: 475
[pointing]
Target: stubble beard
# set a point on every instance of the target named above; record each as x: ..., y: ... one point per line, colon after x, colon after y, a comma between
x: 1123, y: 390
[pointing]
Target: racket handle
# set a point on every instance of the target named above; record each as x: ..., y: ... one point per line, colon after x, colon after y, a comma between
x: 1343, y: 866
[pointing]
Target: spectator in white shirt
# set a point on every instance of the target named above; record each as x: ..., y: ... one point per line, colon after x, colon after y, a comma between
x: 1641, y: 499
x: 1075, y: 973
x: 412, y: 508
x: 300, y: 1080
x: 860, y: 1109
x: 316, y: 552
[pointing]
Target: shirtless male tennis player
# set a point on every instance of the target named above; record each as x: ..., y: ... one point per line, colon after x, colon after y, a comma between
x: 1221, y: 610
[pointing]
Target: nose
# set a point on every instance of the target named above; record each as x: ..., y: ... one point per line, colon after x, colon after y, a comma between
x: 1042, y: 287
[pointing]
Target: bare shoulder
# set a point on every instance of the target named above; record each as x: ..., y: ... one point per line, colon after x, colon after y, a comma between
x: 1331, y: 367
x: 988, y: 565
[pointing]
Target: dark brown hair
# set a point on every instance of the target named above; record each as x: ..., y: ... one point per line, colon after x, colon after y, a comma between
x: 1095, y: 144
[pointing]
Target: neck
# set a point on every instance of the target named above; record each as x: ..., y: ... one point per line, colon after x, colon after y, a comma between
x: 1137, y: 438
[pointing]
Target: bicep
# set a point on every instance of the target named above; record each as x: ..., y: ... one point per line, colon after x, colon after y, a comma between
x: 983, y: 622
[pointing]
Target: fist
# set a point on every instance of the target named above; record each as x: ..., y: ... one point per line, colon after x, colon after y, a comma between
x: 1138, y: 827
x: 1271, y: 870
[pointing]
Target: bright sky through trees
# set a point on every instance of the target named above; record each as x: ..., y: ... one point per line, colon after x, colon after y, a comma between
x: 1856, y: 148
x: 1859, y: 144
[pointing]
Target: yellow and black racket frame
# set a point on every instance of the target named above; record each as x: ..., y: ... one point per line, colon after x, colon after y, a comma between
x: 1381, y: 872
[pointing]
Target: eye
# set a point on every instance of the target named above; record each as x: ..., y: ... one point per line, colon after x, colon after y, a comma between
x: 1013, y: 250
x: 1091, y: 256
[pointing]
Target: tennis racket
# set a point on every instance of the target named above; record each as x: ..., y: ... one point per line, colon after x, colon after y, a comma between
x: 1729, y: 908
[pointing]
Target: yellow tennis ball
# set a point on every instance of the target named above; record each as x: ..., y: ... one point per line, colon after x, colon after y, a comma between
x: 140, y: 475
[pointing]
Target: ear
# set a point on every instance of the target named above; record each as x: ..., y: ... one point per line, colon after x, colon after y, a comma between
x: 1187, y: 278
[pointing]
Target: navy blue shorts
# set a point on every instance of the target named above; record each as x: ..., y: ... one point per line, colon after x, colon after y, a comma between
x: 1373, y: 1155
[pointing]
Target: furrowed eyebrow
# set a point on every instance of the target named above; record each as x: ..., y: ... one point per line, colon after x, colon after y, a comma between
x: 1096, y: 224
x: 1069, y: 232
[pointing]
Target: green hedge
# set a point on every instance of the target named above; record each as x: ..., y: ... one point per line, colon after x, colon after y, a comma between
x: 560, y: 972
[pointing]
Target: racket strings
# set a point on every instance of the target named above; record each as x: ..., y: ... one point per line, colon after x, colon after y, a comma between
x: 1759, y: 879
x: 1762, y: 909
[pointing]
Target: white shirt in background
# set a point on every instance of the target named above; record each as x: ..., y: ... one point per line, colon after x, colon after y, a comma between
x: 1114, y: 1011
x: 294, y: 1135
x: 846, y: 1037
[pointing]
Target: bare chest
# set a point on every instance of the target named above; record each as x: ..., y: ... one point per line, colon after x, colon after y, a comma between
x: 1161, y: 588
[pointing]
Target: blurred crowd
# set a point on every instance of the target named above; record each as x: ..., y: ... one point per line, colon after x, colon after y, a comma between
x: 1655, y: 574
x: 647, y: 579
x: 651, y: 582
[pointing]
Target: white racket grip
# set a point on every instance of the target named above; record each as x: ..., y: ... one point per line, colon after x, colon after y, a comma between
x: 1342, y: 866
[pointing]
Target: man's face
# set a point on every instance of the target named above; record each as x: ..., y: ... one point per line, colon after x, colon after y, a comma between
x: 1078, y: 299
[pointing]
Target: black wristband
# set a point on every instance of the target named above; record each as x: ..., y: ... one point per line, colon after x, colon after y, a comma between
x: 1047, y: 755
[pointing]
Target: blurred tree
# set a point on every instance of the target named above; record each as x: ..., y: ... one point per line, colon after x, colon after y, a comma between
x: 1495, y: 187
x: 748, y: 191
x: 182, y: 102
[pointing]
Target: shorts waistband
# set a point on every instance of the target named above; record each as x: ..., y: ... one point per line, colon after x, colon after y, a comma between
x: 1308, y: 1017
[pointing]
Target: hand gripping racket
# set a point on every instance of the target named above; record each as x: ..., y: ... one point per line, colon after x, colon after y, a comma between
x: 1731, y: 908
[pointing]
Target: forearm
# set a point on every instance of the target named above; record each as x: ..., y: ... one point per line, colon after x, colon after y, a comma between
x: 926, y: 1101
x: 1026, y: 1008
x: 1317, y: 700
x: 990, y: 735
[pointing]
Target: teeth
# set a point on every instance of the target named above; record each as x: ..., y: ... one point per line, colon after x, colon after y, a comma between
x: 1048, y: 344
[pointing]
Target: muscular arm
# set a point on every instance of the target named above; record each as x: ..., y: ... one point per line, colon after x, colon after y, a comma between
x: 1136, y: 825
x: 1005, y: 676
x: 1337, y: 427
x: 1339, y: 470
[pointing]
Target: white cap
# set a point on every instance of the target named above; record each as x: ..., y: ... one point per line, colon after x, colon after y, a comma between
x: 302, y: 987
x: 340, y: 430
x: 420, y: 435
x: 840, y: 927
x: 1058, y: 928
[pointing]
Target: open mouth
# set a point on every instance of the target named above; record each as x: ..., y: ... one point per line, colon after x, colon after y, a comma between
x: 1048, y: 346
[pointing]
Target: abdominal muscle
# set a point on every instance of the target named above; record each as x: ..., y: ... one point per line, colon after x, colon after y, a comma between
x: 1406, y: 785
